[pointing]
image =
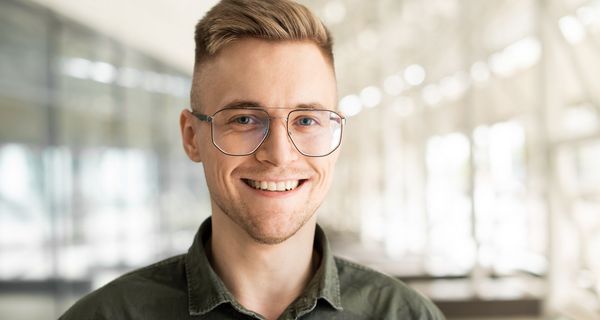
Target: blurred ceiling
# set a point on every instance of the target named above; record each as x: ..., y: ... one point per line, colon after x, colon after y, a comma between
x: 161, y: 28
x: 384, y: 49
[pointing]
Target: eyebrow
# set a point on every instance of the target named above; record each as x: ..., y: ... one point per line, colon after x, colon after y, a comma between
x: 257, y: 105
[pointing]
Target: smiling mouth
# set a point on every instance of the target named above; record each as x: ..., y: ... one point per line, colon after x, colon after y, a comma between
x: 279, y: 186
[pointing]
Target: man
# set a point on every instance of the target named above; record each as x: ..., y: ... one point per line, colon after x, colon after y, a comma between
x: 265, y: 127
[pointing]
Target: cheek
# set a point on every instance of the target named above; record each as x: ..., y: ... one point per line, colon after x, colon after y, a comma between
x: 218, y: 170
x: 324, y: 168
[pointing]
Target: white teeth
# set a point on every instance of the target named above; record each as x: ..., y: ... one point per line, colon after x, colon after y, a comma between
x: 280, y: 186
x: 293, y: 184
x: 274, y: 186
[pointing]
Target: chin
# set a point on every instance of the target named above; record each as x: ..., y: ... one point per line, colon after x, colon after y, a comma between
x: 274, y: 230
x: 272, y: 225
x: 270, y: 239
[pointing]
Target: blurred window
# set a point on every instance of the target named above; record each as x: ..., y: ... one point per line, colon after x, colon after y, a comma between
x: 25, y: 226
x: 451, y: 247
x: 507, y: 228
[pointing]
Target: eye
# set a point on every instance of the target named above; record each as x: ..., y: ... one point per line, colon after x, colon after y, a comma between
x: 243, y: 119
x: 305, y: 121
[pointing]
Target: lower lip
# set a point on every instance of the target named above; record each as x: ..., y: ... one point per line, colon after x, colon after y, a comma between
x: 276, y: 194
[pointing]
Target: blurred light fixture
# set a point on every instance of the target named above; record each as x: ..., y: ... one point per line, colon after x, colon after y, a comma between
x: 370, y: 96
x: 524, y: 53
x: 518, y: 56
x: 480, y: 72
x: 453, y: 87
x: 76, y: 67
x: 393, y: 85
x: 129, y: 77
x: 350, y: 105
x: 431, y: 95
x: 103, y: 72
x: 334, y: 12
x: 500, y: 65
x: 414, y: 74
x: 572, y: 29
x: 590, y: 16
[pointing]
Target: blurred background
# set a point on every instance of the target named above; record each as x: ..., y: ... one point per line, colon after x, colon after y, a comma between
x: 470, y: 166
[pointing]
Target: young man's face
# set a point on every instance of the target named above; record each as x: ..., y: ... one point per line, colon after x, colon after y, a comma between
x: 275, y: 75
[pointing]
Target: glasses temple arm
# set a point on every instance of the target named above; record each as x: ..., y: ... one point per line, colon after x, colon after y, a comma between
x: 202, y: 117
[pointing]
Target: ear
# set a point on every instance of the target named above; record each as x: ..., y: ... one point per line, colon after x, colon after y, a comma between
x: 189, y: 134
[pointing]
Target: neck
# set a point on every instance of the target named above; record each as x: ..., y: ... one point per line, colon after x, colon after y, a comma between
x: 264, y: 278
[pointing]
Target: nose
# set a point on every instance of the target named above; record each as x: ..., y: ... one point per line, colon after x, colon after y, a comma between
x: 277, y: 149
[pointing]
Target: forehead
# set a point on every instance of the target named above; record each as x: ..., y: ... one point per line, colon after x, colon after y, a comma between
x: 278, y: 74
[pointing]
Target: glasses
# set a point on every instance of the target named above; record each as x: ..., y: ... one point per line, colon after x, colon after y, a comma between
x: 241, y: 131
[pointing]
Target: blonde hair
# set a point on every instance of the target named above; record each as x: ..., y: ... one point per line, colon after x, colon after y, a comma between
x: 273, y: 20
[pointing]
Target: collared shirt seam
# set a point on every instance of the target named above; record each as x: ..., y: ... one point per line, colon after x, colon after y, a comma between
x: 353, y: 264
x: 190, y: 283
x: 331, y: 273
x: 306, y: 309
x: 212, y: 302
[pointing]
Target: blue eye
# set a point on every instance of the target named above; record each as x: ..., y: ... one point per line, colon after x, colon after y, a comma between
x: 306, y: 121
x: 243, y: 120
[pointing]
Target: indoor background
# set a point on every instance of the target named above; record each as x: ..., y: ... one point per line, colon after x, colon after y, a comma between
x: 470, y: 165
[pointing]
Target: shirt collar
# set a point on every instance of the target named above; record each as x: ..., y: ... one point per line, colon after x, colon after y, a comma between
x: 206, y: 291
x: 325, y: 284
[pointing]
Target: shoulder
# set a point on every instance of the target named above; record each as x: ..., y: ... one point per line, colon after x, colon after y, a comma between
x: 386, y: 297
x: 164, y: 280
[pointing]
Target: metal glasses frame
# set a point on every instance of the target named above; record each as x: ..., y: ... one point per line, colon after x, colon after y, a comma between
x: 210, y: 118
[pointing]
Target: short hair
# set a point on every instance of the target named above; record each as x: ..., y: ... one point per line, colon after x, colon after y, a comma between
x: 273, y: 20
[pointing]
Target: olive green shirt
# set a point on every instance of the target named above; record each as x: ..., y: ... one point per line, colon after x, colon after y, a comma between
x: 186, y: 287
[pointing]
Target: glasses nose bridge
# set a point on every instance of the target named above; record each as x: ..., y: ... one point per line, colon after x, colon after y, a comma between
x: 284, y: 120
x: 271, y: 120
x: 284, y: 123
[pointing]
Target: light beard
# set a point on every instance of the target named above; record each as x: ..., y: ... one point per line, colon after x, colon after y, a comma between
x: 240, y: 214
